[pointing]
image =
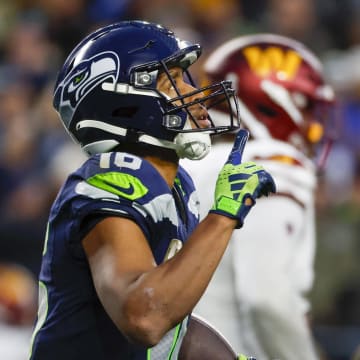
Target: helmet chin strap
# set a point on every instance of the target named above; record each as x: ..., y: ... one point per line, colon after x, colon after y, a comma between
x: 193, y: 146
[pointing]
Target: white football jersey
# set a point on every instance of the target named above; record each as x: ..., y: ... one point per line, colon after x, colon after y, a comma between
x: 257, y: 297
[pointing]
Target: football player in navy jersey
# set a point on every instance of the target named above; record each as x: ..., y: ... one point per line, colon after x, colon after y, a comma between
x: 125, y: 258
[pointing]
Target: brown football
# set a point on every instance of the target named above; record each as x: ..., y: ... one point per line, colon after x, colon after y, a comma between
x: 202, y: 341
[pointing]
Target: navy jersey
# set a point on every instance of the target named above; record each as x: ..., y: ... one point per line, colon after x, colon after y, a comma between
x: 72, y: 323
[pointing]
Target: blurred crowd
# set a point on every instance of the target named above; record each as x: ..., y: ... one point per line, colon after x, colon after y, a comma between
x: 36, y: 153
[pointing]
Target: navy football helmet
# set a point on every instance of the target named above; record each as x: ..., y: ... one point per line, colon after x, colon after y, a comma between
x: 106, y: 92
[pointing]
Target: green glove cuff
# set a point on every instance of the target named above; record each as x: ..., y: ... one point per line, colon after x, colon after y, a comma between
x: 227, y: 205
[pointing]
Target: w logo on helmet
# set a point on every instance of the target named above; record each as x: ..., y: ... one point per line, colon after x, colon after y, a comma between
x: 273, y: 59
x: 83, y: 78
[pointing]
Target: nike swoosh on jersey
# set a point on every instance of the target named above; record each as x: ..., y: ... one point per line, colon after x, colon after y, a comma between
x: 125, y: 190
x: 121, y: 184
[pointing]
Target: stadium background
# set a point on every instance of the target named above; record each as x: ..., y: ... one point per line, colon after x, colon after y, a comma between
x: 36, y: 154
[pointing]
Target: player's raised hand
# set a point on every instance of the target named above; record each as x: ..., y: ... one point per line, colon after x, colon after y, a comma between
x: 238, y: 185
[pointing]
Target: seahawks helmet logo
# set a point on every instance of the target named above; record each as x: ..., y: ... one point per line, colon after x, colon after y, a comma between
x: 83, y: 78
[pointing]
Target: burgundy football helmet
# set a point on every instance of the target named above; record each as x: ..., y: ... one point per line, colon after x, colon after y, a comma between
x: 280, y: 84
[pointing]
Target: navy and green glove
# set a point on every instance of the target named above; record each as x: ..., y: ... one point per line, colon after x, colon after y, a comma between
x: 238, y: 185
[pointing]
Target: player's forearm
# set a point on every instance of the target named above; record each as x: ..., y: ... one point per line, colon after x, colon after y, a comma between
x: 162, y: 297
x: 177, y: 284
x: 201, y: 255
x: 189, y: 272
